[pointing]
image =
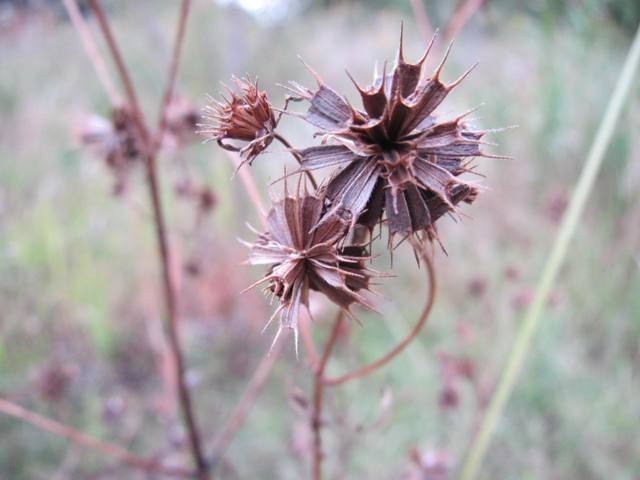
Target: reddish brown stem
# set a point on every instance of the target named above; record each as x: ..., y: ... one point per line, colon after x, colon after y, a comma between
x: 318, y: 396
x: 108, y: 449
x: 123, y: 73
x: 172, y: 320
x: 163, y: 247
x: 295, y: 154
x: 185, y: 5
x: 386, y: 358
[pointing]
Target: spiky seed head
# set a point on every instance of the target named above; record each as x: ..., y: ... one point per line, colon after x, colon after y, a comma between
x: 303, y: 254
x: 243, y: 115
x: 395, y: 156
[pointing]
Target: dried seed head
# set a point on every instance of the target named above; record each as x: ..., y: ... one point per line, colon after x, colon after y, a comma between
x: 304, y: 254
x: 115, y: 141
x: 182, y: 122
x: 396, y: 156
x: 245, y: 115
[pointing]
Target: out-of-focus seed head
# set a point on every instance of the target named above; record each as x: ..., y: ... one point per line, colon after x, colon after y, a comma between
x: 116, y: 141
x: 396, y: 156
x: 304, y: 254
x: 182, y: 122
x: 244, y: 115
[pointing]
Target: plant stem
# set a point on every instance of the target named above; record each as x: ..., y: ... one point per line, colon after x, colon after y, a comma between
x: 555, y: 260
x: 161, y: 236
x: 172, y: 319
x: 396, y: 350
x: 120, y: 65
x: 295, y: 154
x: 114, y: 451
x: 185, y: 5
x: 318, y: 395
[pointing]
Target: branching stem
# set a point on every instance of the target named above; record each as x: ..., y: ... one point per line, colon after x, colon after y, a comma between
x: 422, y: 320
x: 108, y: 449
x: 320, y: 381
x: 184, y: 395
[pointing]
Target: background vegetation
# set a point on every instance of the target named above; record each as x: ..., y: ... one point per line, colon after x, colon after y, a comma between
x: 79, y: 282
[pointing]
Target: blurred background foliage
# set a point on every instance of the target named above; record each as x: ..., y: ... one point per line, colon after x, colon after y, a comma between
x: 79, y: 282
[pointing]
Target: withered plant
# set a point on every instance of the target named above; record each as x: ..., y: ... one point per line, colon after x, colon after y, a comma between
x: 396, y: 163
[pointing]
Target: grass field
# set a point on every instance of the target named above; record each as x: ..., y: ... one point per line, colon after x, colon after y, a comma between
x: 79, y: 283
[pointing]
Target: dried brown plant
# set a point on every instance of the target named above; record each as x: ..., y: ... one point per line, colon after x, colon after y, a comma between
x: 304, y: 254
x: 245, y: 116
x: 398, y: 163
x: 396, y: 156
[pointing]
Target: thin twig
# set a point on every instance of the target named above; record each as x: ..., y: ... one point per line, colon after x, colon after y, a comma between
x: 559, y: 251
x: 110, y: 450
x: 91, y: 50
x: 296, y: 155
x: 461, y: 16
x: 163, y: 248
x: 318, y: 397
x: 386, y: 358
x: 247, y: 400
x: 120, y: 66
x: 173, y: 70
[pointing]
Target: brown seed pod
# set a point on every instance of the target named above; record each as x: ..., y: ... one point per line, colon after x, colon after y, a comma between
x: 304, y: 254
x: 117, y: 142
x: 396, y: 156
x: 245, y: 116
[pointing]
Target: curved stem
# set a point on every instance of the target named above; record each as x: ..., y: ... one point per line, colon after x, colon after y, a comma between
x: 371, y: 367
x: 318, y: 392
x: 295, y: 154
x: 108, y: 449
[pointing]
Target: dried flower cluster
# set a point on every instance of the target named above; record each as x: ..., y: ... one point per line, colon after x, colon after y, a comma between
x: 182, y: 119
x: 304, y: 254
x: 398, y: 164
x: 396, y: 157
x: 246, y: 116
x: 115, y: 141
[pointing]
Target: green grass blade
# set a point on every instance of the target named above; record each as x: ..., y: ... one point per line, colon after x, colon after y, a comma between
x: 567, y: 229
